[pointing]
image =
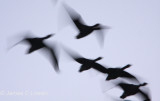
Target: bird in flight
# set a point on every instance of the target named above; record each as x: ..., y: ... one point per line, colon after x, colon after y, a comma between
x: 131, y: 89
x: 84, y: 29
x: 37, y: 43
x: 114, y: 73
x: 87, y: 63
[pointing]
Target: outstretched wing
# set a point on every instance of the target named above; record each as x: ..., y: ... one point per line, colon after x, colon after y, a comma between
x: 53, y: 56
x: 128, y: 75
x: 76, y: 18
x: 145, y: 96
x: 83, y: 68
x: 79, y: 22
x: 73, y: 54
x: 21, y: 37
x: 101, y: 33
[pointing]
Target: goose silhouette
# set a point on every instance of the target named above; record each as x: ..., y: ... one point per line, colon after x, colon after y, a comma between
x: 87, y: 63
x: 37, y: 43
x: 114, y: 73
x: 131, y: 89
x: 84, y: 29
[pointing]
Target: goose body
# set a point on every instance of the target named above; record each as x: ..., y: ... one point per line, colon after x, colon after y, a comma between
x: 131, y: 89
x: 38, y: 43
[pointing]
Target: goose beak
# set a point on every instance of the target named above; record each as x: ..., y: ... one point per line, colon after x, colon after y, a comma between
x: 52, y: 34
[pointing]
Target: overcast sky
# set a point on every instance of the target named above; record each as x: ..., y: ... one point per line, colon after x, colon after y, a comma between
x: 133, y: 38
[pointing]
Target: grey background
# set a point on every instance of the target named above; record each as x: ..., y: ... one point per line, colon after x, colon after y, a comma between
x: 133, y: 38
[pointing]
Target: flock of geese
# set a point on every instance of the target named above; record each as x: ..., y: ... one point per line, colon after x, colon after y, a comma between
x: 84, y: 31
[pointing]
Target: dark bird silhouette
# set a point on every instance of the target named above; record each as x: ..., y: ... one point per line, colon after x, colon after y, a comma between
x: 131, y: 89
x: 83, y: 29
x: 114, y: 73
x: 38, y: 43
x: 87, y: 63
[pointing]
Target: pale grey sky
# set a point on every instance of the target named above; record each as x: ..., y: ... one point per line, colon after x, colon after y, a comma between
x: 133, y: 38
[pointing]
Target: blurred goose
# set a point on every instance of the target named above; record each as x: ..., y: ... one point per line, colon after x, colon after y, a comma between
x: 37, y: 43
x: 114, y: 73
x: 131, y: 89
x: 83, y: 29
